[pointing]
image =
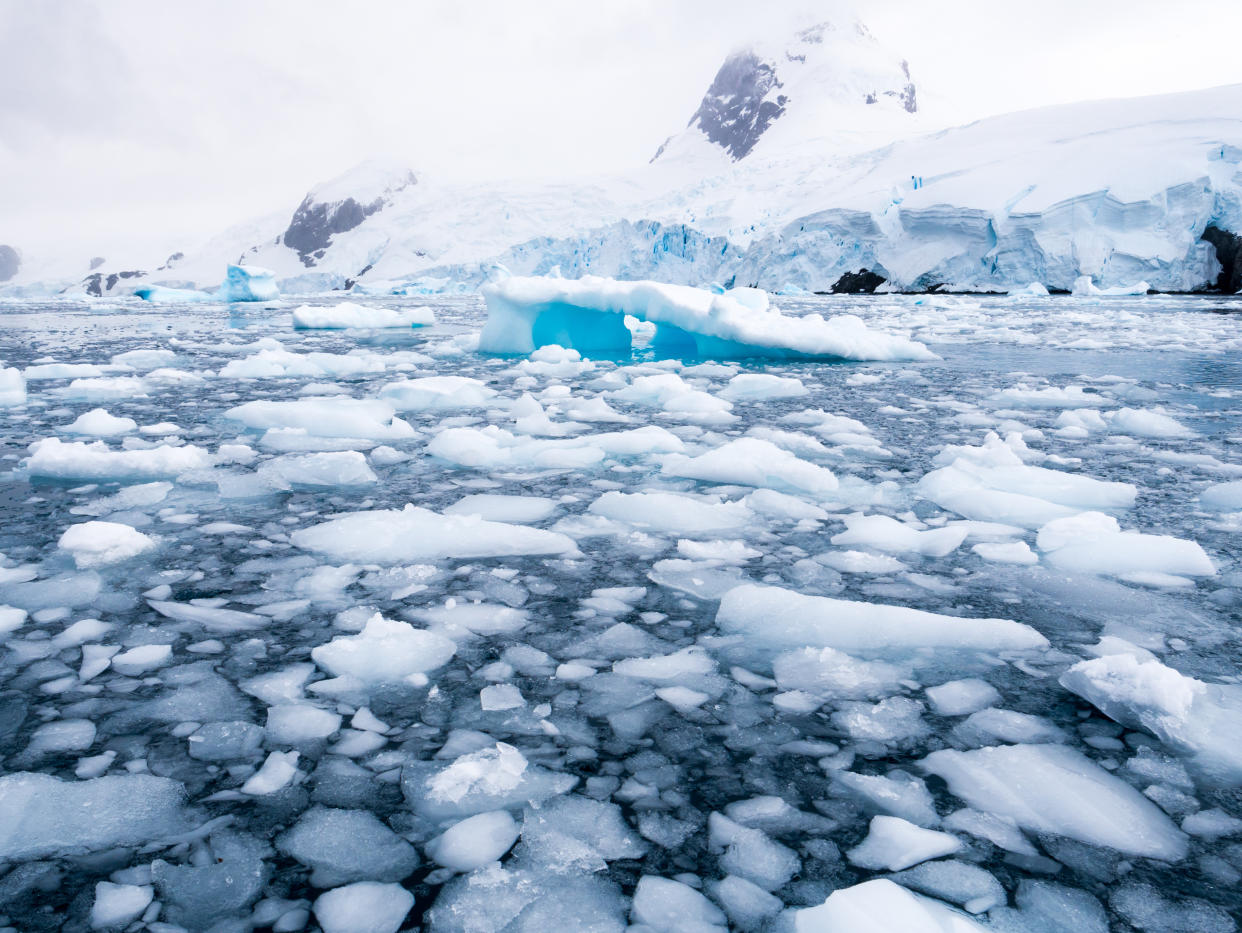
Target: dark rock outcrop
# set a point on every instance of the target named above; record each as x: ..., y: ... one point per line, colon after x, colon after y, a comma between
x: 862, y: 282
x: 314, y: 223
x: 96, y: 262
x: 1229, y: 255
x: 10, y: 262
x: 736, y: 109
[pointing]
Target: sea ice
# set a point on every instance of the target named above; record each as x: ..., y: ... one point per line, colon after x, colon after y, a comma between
x: 101, y: 544
x: 1054, y: 789
x: 12, y: 387
x: 438, y: 393
x: 41, y: 815
x: 363, y: 907
x: 1092, y: 542
x: 894, y: 844
x: 881, y: 906
x: 347, y: 314
x: 76, y: 460
x: 415, y: 534
x: 773, y: 617
x: 385, y: 651
x: 341, y: 846
x: 749, y: 461
x: 98, y: 423
x: 475, y: 841
x: 1198, y: 719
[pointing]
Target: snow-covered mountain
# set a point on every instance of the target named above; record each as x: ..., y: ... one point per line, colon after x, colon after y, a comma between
x: 771, y: 185
x: 833, y: 85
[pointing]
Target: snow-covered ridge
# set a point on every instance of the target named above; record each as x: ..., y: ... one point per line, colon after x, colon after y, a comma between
x: 832, y: 81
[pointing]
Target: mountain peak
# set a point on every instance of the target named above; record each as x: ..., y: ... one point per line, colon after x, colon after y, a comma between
x: 343, y: 203
x: 827, y: 80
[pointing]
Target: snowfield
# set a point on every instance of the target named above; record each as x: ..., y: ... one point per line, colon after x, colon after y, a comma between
x: 887, y: 613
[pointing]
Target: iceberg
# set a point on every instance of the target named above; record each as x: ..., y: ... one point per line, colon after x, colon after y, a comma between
x: 241, y: 283
x: 248, y: 283
x: 12, y: 388
x: 588, y: 314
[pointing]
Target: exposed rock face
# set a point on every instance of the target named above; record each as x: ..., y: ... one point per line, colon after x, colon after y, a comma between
x: 740, y: 104
x: 1229, y: 255
x: 96, y: 262
x: 826, y: 79
x: 315, y: 222
x: 862, y: 282
x: 10, y: 262
x: 98, y: 284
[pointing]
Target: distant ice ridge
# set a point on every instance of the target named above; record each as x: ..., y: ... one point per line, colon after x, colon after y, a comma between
x: 526, y: 313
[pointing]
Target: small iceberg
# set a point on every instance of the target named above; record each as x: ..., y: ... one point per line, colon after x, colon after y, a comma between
x: 241, y: 283
x: 1085, y: 288
x: 589, y: 314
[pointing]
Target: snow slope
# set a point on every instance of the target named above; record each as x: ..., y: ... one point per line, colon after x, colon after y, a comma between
x: 1122, y: 191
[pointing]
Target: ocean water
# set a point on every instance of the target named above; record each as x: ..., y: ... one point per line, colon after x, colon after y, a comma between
x: 661, y: 764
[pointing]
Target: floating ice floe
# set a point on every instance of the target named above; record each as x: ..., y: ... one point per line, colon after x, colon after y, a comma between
x: 772, y: 617
x: 56, y: 459
x: 588, y: 314
x: 41, y: 815
x: 413, y: 534
x: 385, y: 651
x: 12, y: 387
x: 749, y: 461
x: 1092, y: 542
x: 98, y: 423
x: 347, y: 314
x: 437, y: 393
x: 992, y: 483
x: 100, y: 544
x: 881, y: 906
x: 328, y: 417
x: 1055, y: 789
x: 1198, y: 719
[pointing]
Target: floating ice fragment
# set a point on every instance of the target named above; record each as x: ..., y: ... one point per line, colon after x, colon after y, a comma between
x: 1196, y: 718
x: 1054, y: 789
x: 363, y: 907
x: 56, y: 459
x: 893, y: 844
x: 98, y: 423
x: 773, y: 617
x: 881, y: 906
x: 101, y: 544
x: 475, y: 841
x: 749, y: 461
x: 385, y: 651
x: 43, y: 816
x: 278, y: 770
x: 416, y: 534
x: 346, y: 314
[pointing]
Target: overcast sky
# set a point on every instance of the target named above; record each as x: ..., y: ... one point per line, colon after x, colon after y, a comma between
x: 147, y: 121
